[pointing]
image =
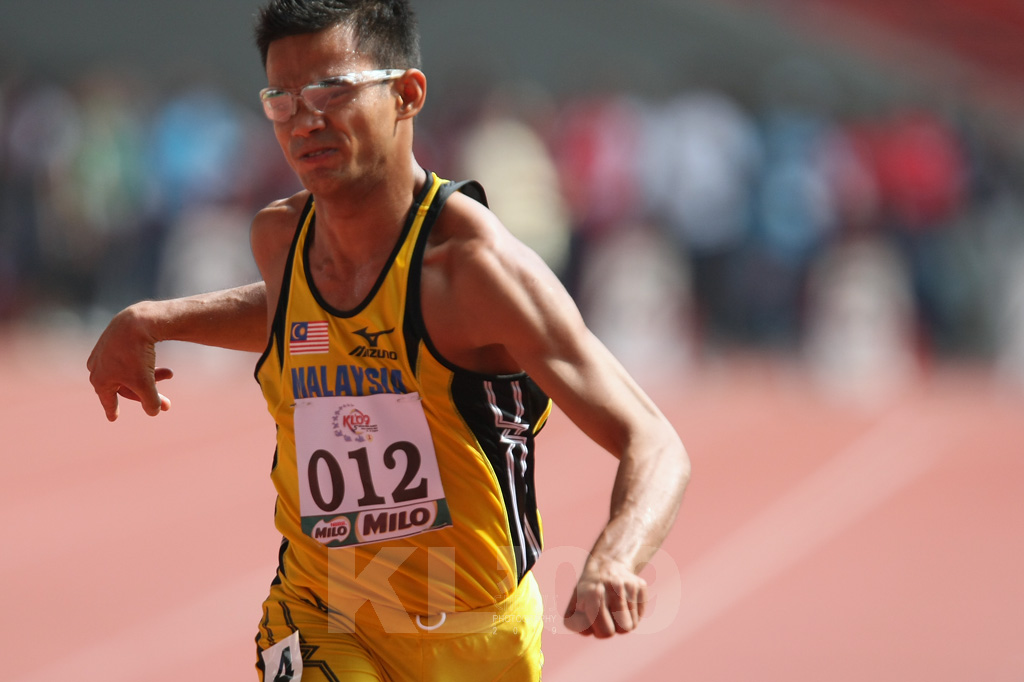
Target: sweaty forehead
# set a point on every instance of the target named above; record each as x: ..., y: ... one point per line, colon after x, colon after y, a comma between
x: 297, y: 60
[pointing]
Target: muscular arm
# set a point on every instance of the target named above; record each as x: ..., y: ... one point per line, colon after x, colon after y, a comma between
x: 522, y: 317
x: 123, y: 361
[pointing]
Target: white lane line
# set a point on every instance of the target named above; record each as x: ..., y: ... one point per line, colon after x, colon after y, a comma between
x: 872, y: 469
x: 130, y: 655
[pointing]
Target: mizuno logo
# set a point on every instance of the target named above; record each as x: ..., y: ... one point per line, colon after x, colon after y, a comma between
x: 370, y: 350
x: 372, y: 337
x: 364, y: 352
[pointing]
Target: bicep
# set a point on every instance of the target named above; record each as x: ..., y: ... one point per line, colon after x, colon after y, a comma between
x: 530, y: 314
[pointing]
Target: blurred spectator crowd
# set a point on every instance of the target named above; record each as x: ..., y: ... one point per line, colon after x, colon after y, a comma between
x: 683, y: 225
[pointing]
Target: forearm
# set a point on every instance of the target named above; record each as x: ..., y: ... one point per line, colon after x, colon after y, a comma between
x: 646, y: 497
x: 123, y: 361
x: 610, y: 596
x: 233, y: 318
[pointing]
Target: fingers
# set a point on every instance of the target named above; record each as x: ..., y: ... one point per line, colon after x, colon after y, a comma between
x: 576, y: 617
x: 161, y: 374
x: 606, y: 608
x: 153, y: 402
x: 162, y: 403
x: 590, y: 615
x: 625, y: 606
x: 139, y: 389
x: 604, y: 624
x: 108, y: 400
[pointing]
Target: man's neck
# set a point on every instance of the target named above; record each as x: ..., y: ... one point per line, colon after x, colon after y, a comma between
x: 364, y: 222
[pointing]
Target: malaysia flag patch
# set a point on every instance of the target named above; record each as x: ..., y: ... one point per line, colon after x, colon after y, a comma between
x: 308, y: 338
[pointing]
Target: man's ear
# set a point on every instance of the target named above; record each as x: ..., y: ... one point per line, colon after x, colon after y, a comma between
x: 411, y: 93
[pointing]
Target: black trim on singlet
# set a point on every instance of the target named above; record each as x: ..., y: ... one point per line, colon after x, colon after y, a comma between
x: 413, y: 327
x: 280, y: 552
x: 409, y: 220
x: 277, y: 326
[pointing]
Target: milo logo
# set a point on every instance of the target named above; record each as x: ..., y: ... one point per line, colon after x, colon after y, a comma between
x: 332, y: 532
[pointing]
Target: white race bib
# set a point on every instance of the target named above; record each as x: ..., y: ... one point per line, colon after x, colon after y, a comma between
x: 367, y: 469
x: 283, y: 661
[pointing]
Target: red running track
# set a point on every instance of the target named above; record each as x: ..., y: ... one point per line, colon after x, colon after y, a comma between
x: 820, y: 540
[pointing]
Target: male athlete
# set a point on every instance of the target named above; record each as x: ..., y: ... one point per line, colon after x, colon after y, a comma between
x: 409, y: 348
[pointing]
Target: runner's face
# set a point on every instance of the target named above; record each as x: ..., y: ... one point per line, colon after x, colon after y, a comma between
x: 354, y: 138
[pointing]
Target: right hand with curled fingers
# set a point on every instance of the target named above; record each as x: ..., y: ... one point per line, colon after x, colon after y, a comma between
x: 123, y: 363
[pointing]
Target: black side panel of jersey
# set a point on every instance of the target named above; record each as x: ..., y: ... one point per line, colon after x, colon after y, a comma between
x: 503, y: 413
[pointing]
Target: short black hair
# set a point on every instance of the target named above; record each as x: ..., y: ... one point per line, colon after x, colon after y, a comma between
x: 385, y: 30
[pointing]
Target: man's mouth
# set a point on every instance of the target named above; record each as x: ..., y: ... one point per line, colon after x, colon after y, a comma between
x: 315, y: 154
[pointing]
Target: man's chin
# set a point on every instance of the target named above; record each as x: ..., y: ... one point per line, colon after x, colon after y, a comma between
x: 323, y: 180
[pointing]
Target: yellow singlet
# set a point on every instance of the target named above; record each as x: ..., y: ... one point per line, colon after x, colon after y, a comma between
x: 401, y: 479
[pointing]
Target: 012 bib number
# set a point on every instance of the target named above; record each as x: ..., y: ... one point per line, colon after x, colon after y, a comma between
x: 367, y: 469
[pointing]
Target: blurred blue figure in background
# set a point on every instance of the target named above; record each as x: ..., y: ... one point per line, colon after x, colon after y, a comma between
x: 699, y: 161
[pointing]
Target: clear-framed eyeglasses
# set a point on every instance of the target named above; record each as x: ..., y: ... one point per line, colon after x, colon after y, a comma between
x: 280, y: 105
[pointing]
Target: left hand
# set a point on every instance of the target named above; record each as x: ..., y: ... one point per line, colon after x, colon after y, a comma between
x: 608, y: 599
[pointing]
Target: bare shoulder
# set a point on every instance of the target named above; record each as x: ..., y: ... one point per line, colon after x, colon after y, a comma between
x: 468, y: 240
x: 270, y: 238
x: 486, y: 296
x: 278, y: 220
x: 272, y: 231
